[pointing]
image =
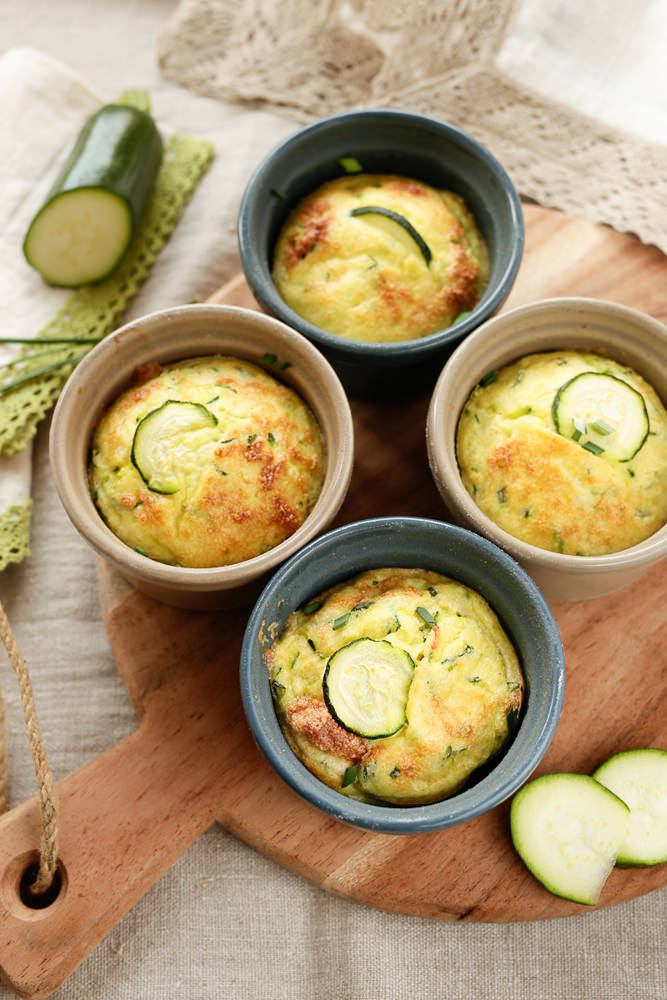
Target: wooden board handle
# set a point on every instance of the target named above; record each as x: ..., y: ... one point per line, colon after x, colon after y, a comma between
x: 124, y: 818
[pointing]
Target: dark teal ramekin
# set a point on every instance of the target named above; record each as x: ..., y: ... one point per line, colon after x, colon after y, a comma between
x: 383, y: 141
x: 457, y: 553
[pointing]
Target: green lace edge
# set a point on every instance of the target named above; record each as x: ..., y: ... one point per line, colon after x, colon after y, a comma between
x: 95, y: 311
x: 15, y: 533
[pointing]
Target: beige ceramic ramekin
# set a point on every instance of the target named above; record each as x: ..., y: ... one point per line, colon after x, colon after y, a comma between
x: 170, y: 335
x: 616, y: 331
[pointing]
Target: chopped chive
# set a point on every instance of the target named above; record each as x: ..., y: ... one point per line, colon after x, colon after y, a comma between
x: 209, y: 401
x: 311, y: 608
x: 631, y: 472
x: 277, y: 688
x: 222, y: 472
x: 579, y: 428
x: 284, y: 365
x: 312, y: 645
x: 461, y: 316
x: 501, y: 495
x: 602, y: 426
x: 426, y: 616
x: 278, y: 194
x: 360, y: 607
x: 251, y: 438
x: 138, y: 548
x: 270, y: 438
x: 50, y: 340
x: 350, y: 775
x: 475, y: 680
x: 269, y: 359
x: 526, y: 512
x: 643, y: 513
x: 372, y: 266
x: 594, y: 448
x: 340, y: 621
x: 519, y: 378
x: 432, y: 591
x: 395, y: 773
x: 350, y: 164
x: 488, y: 378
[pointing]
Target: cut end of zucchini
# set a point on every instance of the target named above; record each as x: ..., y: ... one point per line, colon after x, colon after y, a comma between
x: 603, y: 414
x: 567, y: 829
x: 366, y: 685
x: 79, y: 237
x: 388, y: 220
x: 161, y: 439
x: 639, y: 777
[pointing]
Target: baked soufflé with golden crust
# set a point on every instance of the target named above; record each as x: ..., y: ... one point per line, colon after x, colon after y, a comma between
x: 206, y: 462
x: 405, y: 653
x: 380, y: 258
x: 567, y: 451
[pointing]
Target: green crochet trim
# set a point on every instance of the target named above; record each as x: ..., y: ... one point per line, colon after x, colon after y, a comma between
x: 93, y: 312
x: 15, y: 533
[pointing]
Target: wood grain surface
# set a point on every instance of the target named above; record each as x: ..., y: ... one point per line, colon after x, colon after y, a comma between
x: 126, y: 816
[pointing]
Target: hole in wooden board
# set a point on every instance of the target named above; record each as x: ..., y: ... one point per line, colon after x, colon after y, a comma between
x: 15, y: 883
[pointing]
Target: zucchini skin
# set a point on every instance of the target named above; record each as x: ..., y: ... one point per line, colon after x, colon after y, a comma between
x: 119, y: 149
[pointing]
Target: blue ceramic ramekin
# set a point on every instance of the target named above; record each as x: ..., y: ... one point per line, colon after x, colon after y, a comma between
x: 384, y: 141
x: 454, y: 552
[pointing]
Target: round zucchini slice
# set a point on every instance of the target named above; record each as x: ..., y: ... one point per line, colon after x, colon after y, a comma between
x: 382, y: 213
x: 366, y: 685
x: 159, y: 440
x: 639, y: 777
x: 603, y: 414
x: 567, y: 829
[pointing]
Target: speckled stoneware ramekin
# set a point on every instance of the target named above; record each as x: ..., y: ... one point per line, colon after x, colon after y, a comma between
x: 457, y: 553
x: 170, y: 335
x: 383, y: 141
x: 618, y: 332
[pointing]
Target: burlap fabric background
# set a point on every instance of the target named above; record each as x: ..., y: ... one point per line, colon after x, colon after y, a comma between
x: 224, y: 922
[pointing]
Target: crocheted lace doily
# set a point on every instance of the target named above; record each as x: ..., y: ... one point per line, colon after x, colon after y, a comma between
x: 310, y: 58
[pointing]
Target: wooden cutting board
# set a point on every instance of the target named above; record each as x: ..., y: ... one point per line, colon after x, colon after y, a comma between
x: 126, y: 816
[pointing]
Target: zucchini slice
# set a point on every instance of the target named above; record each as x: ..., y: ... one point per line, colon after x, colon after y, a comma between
x: 407, y: 226
x: 639, y: 777
x: 603, y: 414
x: 366, y: 684
x: 88, y: 219
x: 568, y: 829
x: 159, y: 441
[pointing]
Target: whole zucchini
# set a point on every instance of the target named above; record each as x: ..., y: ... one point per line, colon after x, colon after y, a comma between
x: 88, y: 219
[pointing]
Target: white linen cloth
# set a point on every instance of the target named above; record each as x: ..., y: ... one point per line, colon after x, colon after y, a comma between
x: 225, y: 923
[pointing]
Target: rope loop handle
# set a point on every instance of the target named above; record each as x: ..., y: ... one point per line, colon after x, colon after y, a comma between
x: 48, y: 850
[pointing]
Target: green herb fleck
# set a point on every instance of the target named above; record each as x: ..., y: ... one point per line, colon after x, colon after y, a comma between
x: 269, y: 359
x: 372, y: 266
x: 501, y: 495
x: 340, y: 621
x: 350, y: 775
x: 228, y: 441
x: 432, y: 591
x: 310, y: 609
x: 643, y: 513
x: 594, y: 448
x: 475, y: 680
x: 631, y: 472
x: 602, y: 426
x: 142, y: 552
x: 312, y: 645
x: 395, y: 773
x: 277, y: 688
x: 278, y: 194
x: 209, y: 401
x: 526, y: 512
x: 519, y: 378
x: 426, y: 616
x: 270, y: 438
x: 283, y: 365
x: 350, y: 164
x: 251, y: 438
x: 361, y: 606
x: 461, y: 316
x: 488, y: 378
